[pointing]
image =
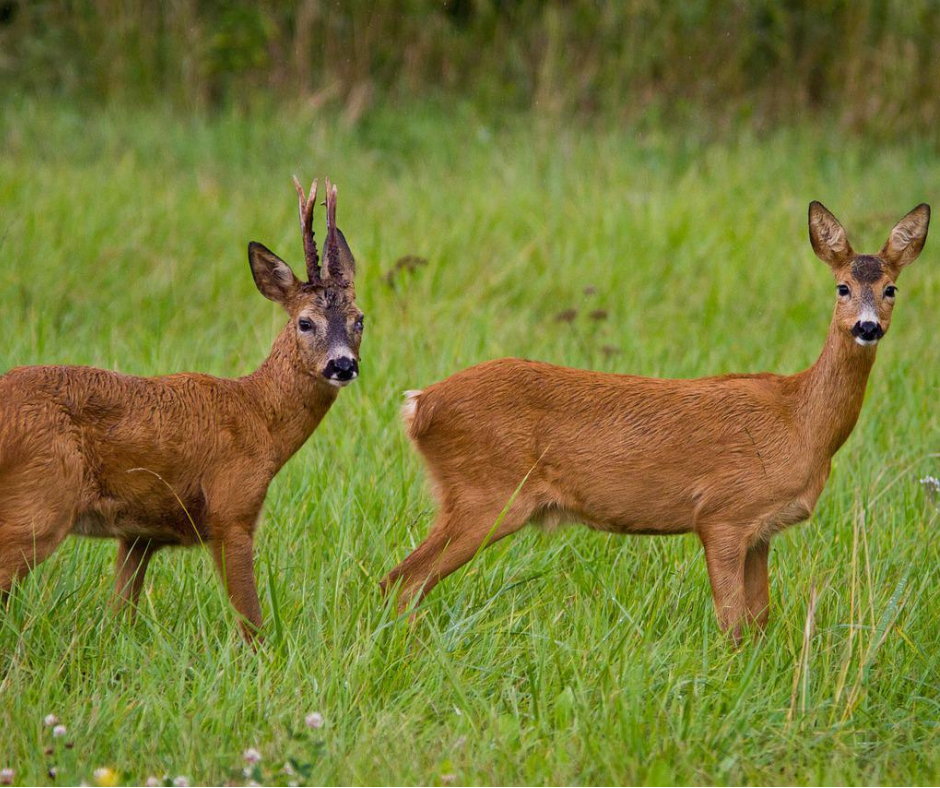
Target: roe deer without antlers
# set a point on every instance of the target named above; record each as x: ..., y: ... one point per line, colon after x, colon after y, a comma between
x: 734, y: 458
x: 181, y: 459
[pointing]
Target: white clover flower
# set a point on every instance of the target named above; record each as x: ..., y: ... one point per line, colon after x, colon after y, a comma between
x: 152, y: 782
x: 181, y: 782
x: 314, y: 720
x: 931, y: 485
x: 59, y: 731
x: 251, y: 755
x: 6, y: 776
x: 49, y: 720
x: 288, y: 769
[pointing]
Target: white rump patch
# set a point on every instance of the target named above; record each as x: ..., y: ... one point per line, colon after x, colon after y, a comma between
x: 411, y: 405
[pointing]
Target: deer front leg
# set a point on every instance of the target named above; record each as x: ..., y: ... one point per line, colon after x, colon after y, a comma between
x: 756, y: 585
x: 133, y: 557
x: 232, y: 548
x: 725, y: 554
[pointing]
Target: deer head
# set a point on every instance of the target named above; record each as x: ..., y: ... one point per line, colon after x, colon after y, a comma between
x: 325, y: 323
x: 865, y: 284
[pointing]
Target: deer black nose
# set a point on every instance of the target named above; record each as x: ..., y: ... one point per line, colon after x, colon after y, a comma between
x: 342, y: 369
x: 868, y: 331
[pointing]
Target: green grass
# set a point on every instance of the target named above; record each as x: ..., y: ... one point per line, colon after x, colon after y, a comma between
x: 571, y: 657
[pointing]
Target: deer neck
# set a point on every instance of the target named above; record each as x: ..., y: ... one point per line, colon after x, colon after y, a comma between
x: 834, y: 389
x: 290, y: 399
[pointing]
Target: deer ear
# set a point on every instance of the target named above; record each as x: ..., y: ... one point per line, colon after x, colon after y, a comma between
x: 272, y: 275
x: 907, y: 238
x: 828, y: 237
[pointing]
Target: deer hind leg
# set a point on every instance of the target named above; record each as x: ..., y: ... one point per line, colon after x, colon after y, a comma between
x: 133, y: 556
x: 458, y: 534
x: 756, y: 585
x: 40, y: 499
x: 29, y: 540
x: 725, y: 556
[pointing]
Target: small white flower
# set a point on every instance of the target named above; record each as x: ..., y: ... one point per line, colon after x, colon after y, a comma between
x: 59, y: 731
x: 6, y: 776
x: 49, y: 720
x: 931, y: 485
x: 53, y: 771
x: 251, y: 755
x: 181, y: 782
x: 288, y: 769
x: 314, y: 720
x: 152, y: 782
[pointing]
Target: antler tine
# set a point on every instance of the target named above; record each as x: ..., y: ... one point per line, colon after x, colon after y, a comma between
x: 306, y: 228
x: 330, y: 226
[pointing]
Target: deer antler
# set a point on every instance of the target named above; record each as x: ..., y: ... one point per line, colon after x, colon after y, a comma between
x: 306, y: 229
x: 339, y: 263
x: 329, y: 263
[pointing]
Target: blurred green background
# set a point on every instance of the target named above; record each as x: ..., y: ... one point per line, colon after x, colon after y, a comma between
x: 866, y: 65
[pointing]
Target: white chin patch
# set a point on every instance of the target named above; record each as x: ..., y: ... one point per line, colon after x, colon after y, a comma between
x: 866, y: 342
x: 339, y: 383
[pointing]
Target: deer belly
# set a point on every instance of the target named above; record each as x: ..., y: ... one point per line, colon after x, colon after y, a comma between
x: 171, y: 524
x: 97, y: 525
x: 796, y: 511
x: 630, y: 503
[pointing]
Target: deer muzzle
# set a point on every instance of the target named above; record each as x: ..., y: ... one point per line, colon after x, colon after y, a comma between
x: 341, y: 370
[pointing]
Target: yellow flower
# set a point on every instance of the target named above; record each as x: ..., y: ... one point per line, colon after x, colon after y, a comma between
x: 106, y: 776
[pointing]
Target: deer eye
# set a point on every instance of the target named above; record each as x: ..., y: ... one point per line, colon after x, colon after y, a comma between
x: 305, y: 325
x: 359, y: 323
x: 843, y: 290
x: 891, y: 291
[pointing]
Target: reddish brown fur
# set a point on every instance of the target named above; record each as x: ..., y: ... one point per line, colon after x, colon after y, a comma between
x: 175, y: 460
x: 735, y: 458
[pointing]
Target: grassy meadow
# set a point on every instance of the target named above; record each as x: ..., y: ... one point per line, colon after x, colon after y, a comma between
x: 569, y: 657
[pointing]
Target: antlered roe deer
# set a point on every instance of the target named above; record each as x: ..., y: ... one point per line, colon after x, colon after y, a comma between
x: 734, y: 459
x: 182, y: 459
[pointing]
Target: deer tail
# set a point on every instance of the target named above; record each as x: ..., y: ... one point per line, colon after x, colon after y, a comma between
x: 416, y: 413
